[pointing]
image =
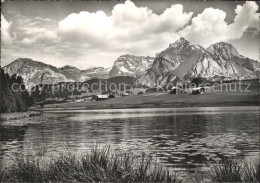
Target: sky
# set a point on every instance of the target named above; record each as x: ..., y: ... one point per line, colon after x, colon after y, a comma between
x: 95, y: 33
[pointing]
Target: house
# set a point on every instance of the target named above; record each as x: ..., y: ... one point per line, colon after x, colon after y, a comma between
x: 101, y: 97
x: 198, y: 90
x: 125, y: 94
x: 176, y: 90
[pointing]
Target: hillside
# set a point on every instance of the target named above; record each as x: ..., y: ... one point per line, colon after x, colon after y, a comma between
x: 34, y: 72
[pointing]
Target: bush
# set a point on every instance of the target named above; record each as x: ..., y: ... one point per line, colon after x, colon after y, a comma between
x: 111, y: 96
x: 197, y: 81
x: 154, y: 90
x: 94, y: 97
x: 140, y: 93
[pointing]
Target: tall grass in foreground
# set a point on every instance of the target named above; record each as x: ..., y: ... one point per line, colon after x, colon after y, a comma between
x: 105, y: 165
x: 231, y: 170
x: 98, y: 165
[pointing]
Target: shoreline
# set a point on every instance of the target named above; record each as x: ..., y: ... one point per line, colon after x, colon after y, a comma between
x: 143, y: 107
x: 179, y: 105
x: 18, y: 115
x: 159, y: 101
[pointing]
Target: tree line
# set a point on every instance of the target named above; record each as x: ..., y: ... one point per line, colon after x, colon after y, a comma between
x: 13, y: 99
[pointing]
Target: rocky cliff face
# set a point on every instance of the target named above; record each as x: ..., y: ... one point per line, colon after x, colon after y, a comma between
x: 232, y: 63
x: 95, y: 72
x: 130, y: 65
x: 183, y: 60
x: 83, y: 75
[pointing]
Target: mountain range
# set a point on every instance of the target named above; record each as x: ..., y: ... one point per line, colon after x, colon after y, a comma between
x: 34, y: 72
x: 180, y: 62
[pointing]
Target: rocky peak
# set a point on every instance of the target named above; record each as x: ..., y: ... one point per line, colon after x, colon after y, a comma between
x: 183, y: 60
x: 23, y: 60
x: 180, y: 41
x: 125, y: 57
x: 68, y: 67
x: 94, y: 68
x: 34, y: 72
x: 224, y: 49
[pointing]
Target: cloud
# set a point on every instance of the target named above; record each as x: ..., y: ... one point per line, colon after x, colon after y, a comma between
x: 39, y: 35
x: 210, y: 26
x: 129, y: 29
x: 5, y: 31
x: 85, y: 26
x: 246, y: 17
x: 127, y: 23
x: 37, y: 29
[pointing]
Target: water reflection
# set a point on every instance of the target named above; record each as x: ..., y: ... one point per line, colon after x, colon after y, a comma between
x: 180, y: 138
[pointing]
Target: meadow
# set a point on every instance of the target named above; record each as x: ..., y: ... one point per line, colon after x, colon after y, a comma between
x: 228, y: 94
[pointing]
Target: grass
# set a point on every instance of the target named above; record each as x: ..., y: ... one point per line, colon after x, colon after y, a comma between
x: 231, y: 170
x: 164, y: 100
x: 223, y: 96
x: 106, y: 165
x: 98, y: 165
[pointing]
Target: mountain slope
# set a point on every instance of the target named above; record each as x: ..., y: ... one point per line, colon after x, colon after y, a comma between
x: 182, y: 61
x: 34, y: 72
x: 95, y: 72
x: 70, y: 72
x: 82, y: 75
x: 229, y: 57
x: 130, y: 65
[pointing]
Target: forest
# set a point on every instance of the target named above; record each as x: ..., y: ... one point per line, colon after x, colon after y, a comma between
x: 13, y: 95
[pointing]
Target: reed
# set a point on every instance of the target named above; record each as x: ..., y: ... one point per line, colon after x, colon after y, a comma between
x: 230, y: 170
x: 106, y: 165
x: 97, y: 165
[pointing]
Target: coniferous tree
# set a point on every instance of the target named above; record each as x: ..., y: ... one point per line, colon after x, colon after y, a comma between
x: 13, y: 99
x: 9, y: 104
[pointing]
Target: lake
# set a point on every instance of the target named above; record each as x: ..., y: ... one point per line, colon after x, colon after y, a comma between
x: 182, y: 138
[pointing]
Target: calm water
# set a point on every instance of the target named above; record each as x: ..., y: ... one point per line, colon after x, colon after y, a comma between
x: 184, y: 139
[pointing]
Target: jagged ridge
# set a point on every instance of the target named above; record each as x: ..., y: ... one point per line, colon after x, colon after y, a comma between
x: 182, y: 61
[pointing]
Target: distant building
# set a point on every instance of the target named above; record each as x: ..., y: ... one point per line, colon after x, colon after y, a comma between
x: 176, y: 90
x: 227, y: 79
x: 102, y: 97
x: 125, y: 94
x: 198, y: 90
